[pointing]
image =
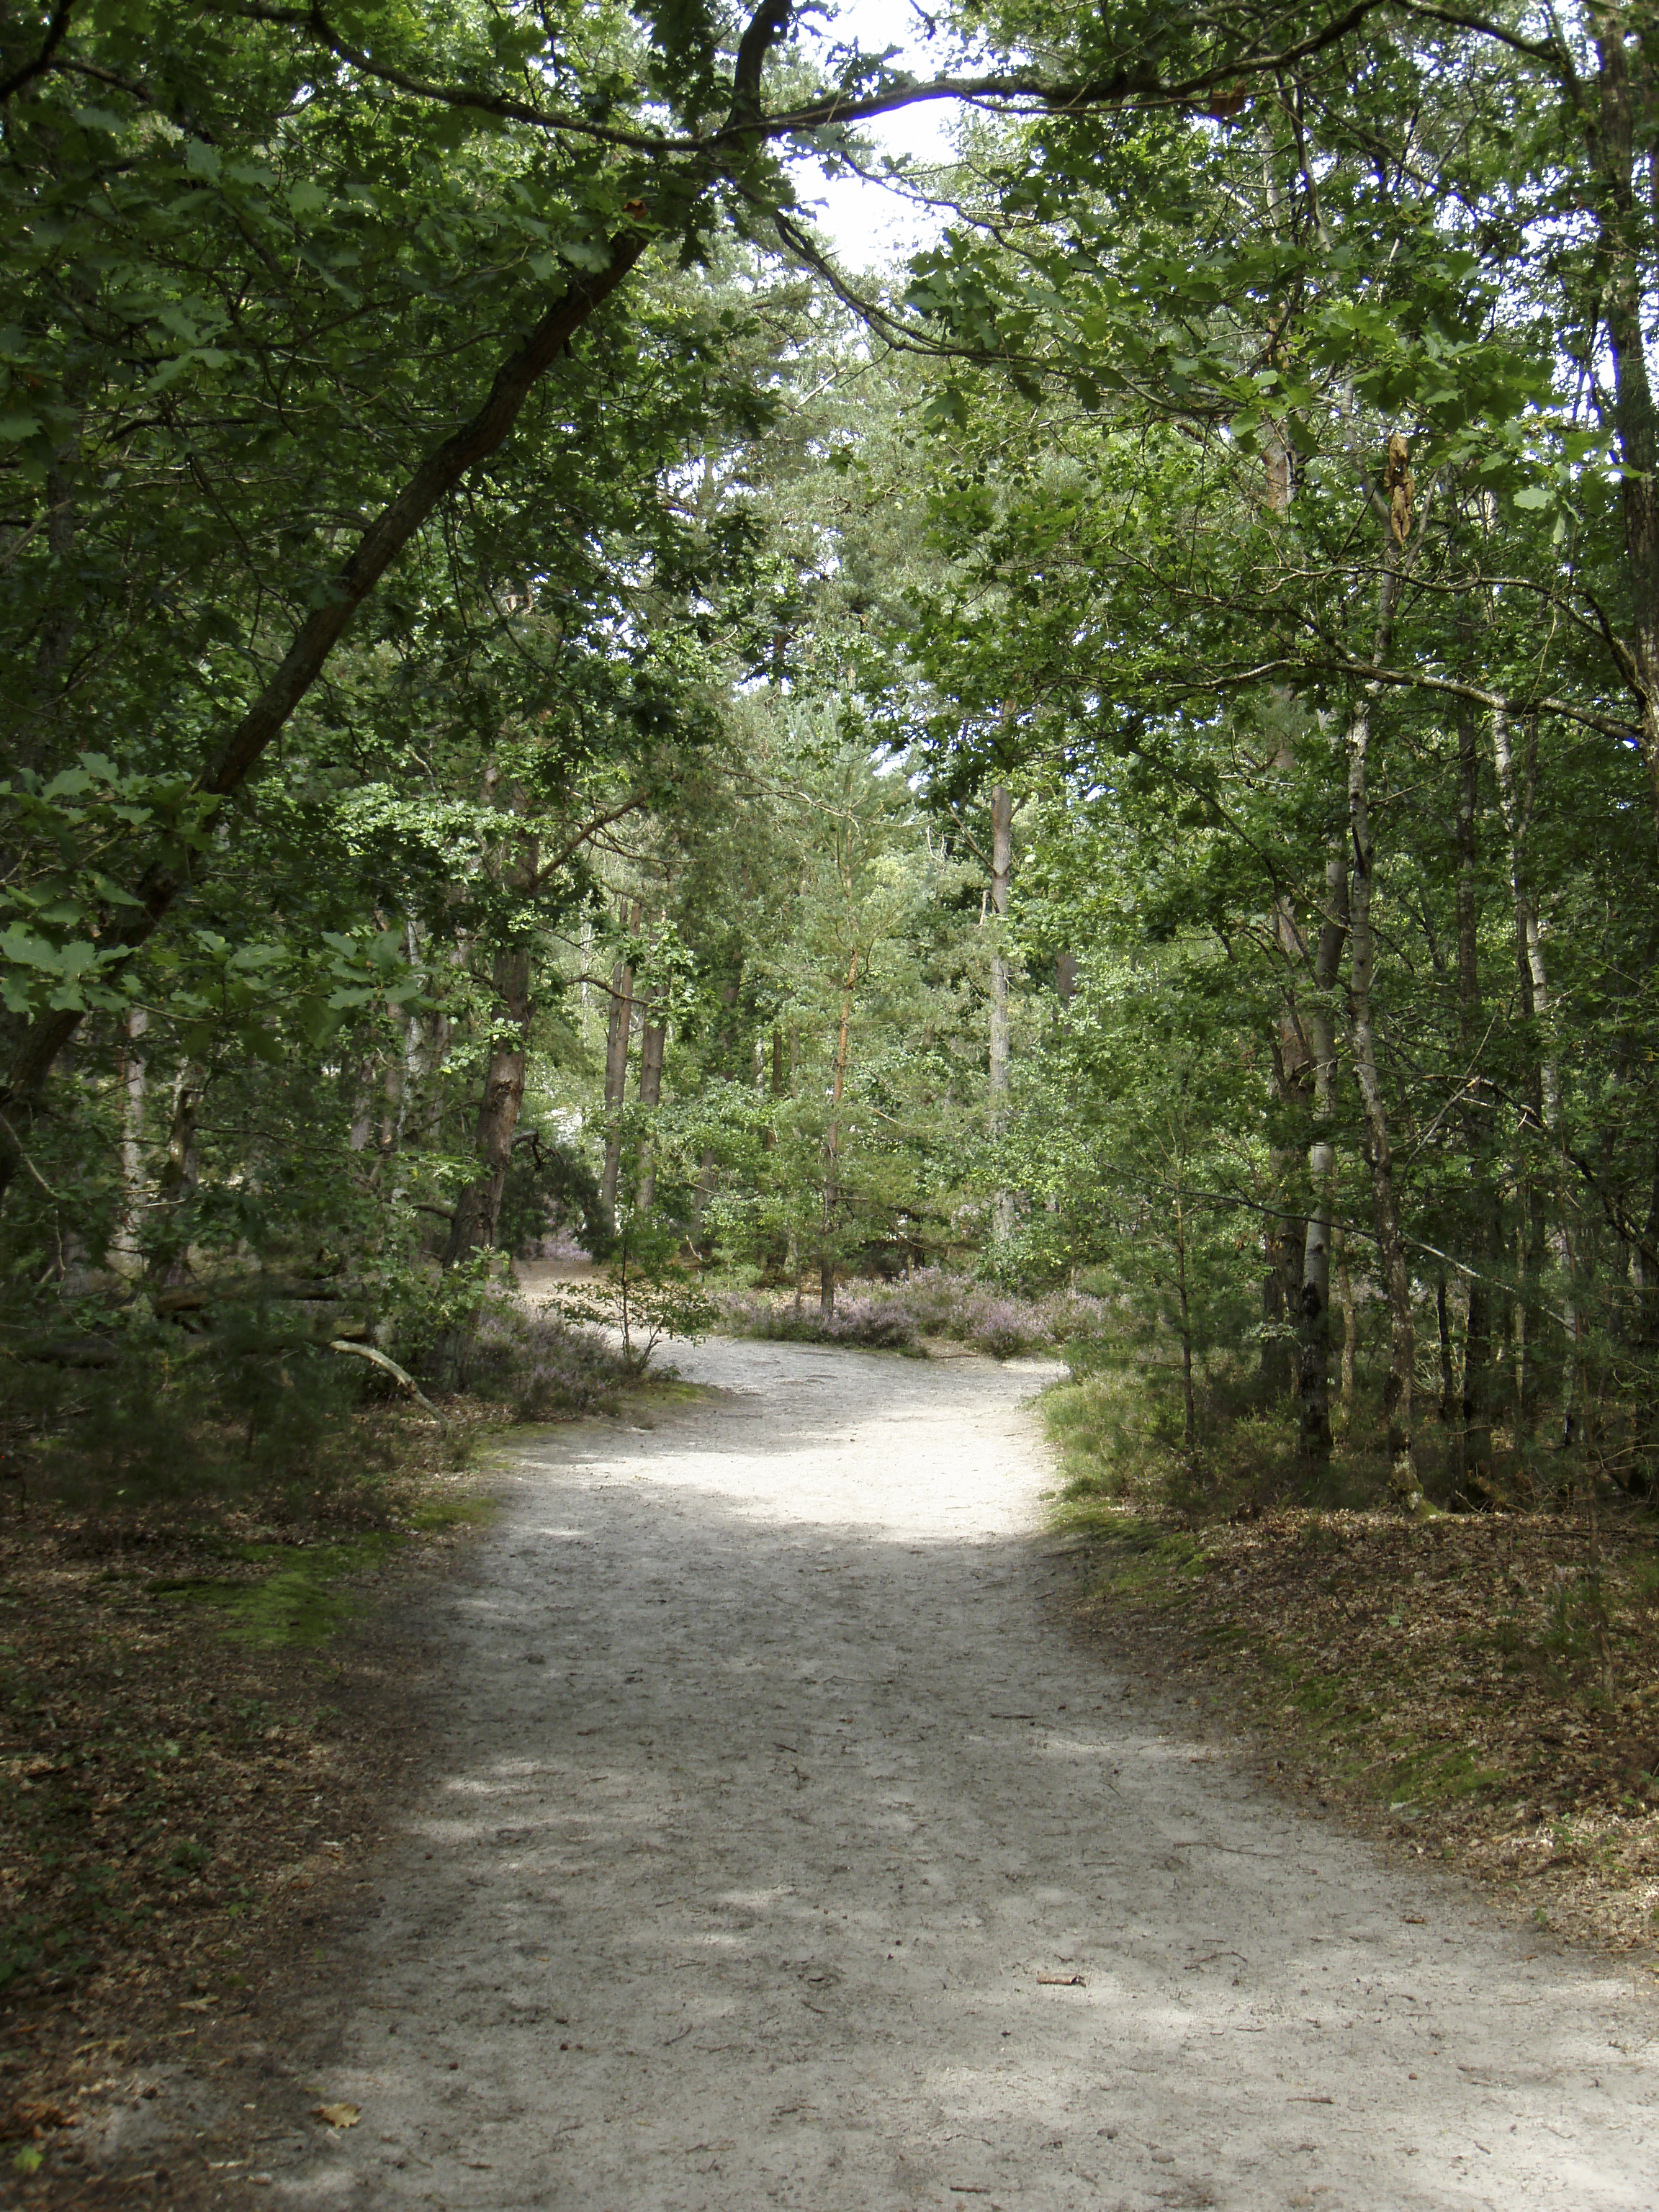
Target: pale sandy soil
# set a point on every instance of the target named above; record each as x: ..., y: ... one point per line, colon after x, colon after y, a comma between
x: 774, y: 1811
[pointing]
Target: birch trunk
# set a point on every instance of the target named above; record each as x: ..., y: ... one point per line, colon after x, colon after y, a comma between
x: 1312, y: 1381
x: 124, y: 1254
x: 181, y: 1169
x: 1473, y: 1444
x: 1362, y: 1029
x: 1545, y: 1213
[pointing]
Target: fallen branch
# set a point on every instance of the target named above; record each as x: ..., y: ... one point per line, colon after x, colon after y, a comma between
x: 79, y: 1352
x: 399, y: 1374
x: 190, y: 1297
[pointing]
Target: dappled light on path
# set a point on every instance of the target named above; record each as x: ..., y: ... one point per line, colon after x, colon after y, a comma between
x: 785, y: 1851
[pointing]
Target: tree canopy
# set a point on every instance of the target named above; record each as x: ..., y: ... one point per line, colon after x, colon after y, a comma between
x: 1125, y: 753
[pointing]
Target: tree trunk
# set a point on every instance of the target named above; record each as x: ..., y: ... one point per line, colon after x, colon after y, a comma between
x: 1284, y: 1239
x: 1312, y: 1381
x: 57, y: 633
x: 1473, y: 1444
x: 1284, y: 1349
x: 832, y: 1149
x: 1002, y: 847
x: 1619, y: 130
x: 473, y: 1228
x: 1189, y: 1400
x: 1350, y: 1325
x: 1545, y: 1208
x: 779, y: 1089
x: 180, y: 1171
x: 1362, y: 1034
x: 1447, y: 1374
x: 619, y: 1037
x: 124, y: 1254
x: 707, y: 1182
x: 654, y: 1040
x: 264, y: 721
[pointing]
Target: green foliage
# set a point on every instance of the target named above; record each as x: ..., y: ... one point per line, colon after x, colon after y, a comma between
x: 645, y: 1294
x: 696, y: 691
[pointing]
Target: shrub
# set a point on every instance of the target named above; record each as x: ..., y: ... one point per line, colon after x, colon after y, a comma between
x: 897, y: 1316
x: 540, y: 1364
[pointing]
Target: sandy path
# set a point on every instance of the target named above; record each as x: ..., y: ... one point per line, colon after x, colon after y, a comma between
x: 771, y: 1794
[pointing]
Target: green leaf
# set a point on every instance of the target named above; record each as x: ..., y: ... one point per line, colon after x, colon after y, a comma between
x: 592, y: 253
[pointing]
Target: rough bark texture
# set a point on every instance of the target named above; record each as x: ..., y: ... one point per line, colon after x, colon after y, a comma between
x: 473, y: 1228
x: 1345, y: 1299
x: 135, y: 1082
x: 654, y: 1040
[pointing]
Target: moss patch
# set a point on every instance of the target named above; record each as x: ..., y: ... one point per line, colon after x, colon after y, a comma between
x: 303, y: 1596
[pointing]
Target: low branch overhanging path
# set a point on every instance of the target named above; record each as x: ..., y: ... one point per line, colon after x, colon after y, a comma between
x: 757, y: 1885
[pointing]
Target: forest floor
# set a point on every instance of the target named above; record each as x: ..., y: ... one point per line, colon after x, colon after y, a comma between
x: 1480, y: 1690
x: 191, y: 1753
x: 778, y: 1839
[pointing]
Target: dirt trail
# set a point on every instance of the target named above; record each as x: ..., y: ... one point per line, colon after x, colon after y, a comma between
x: 770, y: 1796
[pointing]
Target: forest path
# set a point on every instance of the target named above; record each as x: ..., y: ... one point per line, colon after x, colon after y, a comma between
x: 769, y: 1793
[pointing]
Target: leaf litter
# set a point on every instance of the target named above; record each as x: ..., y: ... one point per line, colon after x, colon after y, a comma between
x: 1444, y: 1684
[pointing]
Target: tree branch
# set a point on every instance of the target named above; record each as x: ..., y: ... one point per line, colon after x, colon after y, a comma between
x: 57, y: 24
x: 1135, y: 85
x: 379, y: 546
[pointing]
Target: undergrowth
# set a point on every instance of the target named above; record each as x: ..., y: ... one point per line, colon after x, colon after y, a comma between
x: 181, y: 1719
x: 933, y: 1302
x: 1483, y: 1687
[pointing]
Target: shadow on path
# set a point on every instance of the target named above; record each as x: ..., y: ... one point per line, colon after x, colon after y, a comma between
x: 783, y: 1851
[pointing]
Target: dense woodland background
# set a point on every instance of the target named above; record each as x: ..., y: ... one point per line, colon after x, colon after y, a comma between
x: 1119, y: 761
